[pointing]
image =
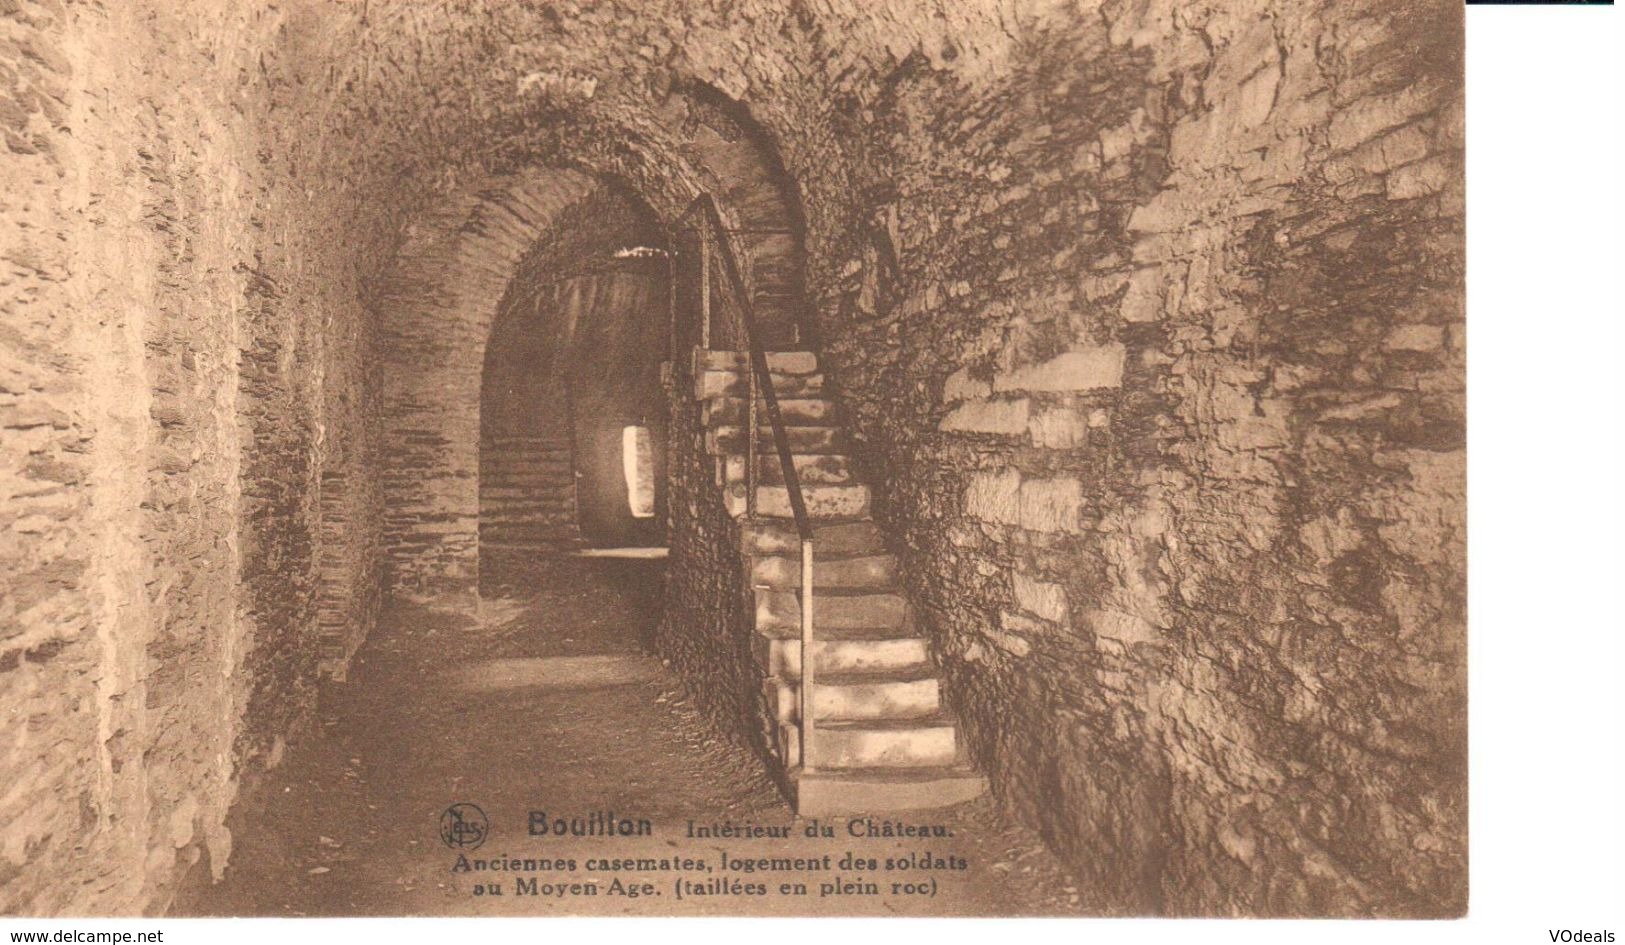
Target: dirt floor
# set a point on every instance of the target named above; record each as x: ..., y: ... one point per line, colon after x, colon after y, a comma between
x: 549, y: 701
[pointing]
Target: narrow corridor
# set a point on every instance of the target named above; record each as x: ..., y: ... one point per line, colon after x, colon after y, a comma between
x: 550, y: 702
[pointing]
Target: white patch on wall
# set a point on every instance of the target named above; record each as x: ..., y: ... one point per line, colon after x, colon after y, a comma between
x: 637, y: 461
x: 558, y: 85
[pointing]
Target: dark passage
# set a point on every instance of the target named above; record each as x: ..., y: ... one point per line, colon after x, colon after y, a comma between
x: 551, y: 702
x: 571, y: 361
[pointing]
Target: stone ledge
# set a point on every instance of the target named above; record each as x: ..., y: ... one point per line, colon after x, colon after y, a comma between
x: 1081, y: 369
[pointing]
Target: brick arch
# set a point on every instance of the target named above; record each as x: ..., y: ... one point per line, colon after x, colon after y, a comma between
x: 439, y: 300
x: 433, y: 322
x: 575, y: 348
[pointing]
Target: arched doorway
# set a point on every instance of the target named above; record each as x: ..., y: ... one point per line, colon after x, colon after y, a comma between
x: 572, y: 413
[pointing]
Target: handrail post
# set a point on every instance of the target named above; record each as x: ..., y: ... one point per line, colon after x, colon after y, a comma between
x: 759, y: 384
x: 705, y: 285
x: 807, y: 672
x: 752, y: 391
x: 673, y: 347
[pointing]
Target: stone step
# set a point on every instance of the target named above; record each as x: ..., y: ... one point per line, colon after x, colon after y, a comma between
x: 811, y: 469
x: 823, y: 501
x: 508, y: 514
x: 730, y: 439
x: 869, y: 571
x: 519, y: 513
x: 524, y: 471
x: 833, y: 468
x: 521, y: 526
x: 778, y: 362
x: 551, y: 538
x: 537, y: 493
x: 710, y: 384
x: 521, y: 532
x: 511, y: 464
x: 534, y: 532
x: 496, y: 453
x: 830, y: 792
x: 535, y: 500
x: 844, y: 698
x: 779, y: 611
x: 830, y: 539
x: 902, y: 655
x: 901, y: 631
x: 497, y: 456
x: 794, y: 411
x: 527, y: 479
x: 910, y: 743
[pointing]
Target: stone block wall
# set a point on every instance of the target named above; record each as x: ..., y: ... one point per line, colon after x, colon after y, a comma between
x: 1157, y: 356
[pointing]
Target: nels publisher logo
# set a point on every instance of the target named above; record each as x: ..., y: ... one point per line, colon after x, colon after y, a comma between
x: 464, y: 827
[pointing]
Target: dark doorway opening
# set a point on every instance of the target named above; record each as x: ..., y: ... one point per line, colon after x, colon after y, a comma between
x: 616, y: 387
x: 572, y: 364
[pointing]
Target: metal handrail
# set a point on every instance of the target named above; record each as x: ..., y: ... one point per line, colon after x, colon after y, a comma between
x: 759, y: 384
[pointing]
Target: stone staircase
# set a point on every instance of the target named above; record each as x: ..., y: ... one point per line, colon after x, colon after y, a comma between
x: 884, y: 741
x: 527, y: 493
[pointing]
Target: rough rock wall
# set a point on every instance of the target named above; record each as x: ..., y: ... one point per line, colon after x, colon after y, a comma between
x: 350, y: 537
x: 1157, y: 354
x: 708, y: 624
x: 168, y: 317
